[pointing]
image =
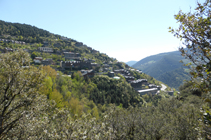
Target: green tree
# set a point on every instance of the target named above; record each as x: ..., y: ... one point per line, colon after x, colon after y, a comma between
x: 33, y: 55
x: 19, y: 85
x: 195, y: 32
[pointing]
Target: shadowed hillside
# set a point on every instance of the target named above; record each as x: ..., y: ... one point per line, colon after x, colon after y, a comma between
x: 165, y: 67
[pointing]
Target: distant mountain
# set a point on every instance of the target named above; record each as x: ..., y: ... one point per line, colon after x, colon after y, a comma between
x: 130, y: 63
x: 165, y: 67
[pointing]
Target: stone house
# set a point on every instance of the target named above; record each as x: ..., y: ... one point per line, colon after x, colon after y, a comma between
x: 75, y: 65
x: 88, y: 73
x: 154, y: 86
x: 122, y: 71
x: 139, y: 71
x: 38, y: 60
x: 82, y: 65
x: 66, y: 64
x: 111, y: 74
x: 129, y: 78
x: 138, y: 83
x: 6, y: 50
x: 45, y: 49
x: 71, y: 55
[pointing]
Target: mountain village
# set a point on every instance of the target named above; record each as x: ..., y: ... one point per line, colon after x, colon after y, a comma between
x: 88, y: 67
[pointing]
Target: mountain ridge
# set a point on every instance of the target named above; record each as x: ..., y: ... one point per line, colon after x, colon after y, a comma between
x: 130, y: 63
x: 165, y: 67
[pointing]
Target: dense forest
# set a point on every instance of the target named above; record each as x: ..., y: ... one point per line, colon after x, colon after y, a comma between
x: 39, y: 102
x: 24, y: 32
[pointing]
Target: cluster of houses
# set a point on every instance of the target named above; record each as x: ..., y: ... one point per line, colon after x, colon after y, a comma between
x: 139, y: 84
x: 12, y: 41
x: 73, y: 61
x: 6, y: 50
x: 50, y: 50
x: 76, y: 65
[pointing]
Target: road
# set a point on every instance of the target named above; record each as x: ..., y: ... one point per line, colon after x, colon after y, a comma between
x: 163, y: 87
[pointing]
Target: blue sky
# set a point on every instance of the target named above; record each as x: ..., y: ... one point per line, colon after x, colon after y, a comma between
x: 123, y: 29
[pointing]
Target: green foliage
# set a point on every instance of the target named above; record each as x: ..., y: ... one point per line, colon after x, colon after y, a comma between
x: 188, y: 89
x: 68, y: 92
x: 151, y: 100
x: 24, y: 32
x: 171, y: 119
x: 114, y: 91
x: 174, y: 78
x: 194, y: 31
x: 19, y: 85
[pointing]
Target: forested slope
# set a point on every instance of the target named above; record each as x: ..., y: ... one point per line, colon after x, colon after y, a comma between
x: 165, y: 67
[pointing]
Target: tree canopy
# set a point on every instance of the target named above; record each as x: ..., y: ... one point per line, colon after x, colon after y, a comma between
x: 195, y: 33
x: 19, y: 85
